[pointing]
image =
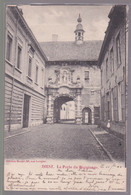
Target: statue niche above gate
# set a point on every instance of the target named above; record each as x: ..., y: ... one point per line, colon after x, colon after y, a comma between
x: 61, y: 91
x: 64, y: 77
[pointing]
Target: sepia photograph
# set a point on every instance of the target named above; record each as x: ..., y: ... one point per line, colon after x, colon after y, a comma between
x: 66, y: 78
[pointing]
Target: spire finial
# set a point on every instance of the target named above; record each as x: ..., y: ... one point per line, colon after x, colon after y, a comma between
x: 79, y: 32
x: 79, y: 19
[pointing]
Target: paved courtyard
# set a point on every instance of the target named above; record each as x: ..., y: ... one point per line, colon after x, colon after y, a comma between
x: 57, y: 141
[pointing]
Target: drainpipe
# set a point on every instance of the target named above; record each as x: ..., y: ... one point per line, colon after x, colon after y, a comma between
x: 13, y: 79
x: 126, y: 60
x: 126, y: 72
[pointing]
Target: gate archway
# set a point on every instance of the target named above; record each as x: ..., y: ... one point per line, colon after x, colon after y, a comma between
x: 58, y: 96
x: 58, y: 102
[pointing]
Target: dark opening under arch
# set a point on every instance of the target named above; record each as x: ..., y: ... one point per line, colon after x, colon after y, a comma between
x: 58, y: 102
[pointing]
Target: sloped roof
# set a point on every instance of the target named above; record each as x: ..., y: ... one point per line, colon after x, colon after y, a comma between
x: 63, y: 51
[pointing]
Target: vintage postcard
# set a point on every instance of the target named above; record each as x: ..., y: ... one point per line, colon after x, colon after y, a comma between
x: 66, y: 84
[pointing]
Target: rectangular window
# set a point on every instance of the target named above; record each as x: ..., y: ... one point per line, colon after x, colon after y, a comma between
x: 9, y: 47
x: 103, y: 110
x: 87, y: 75
x: 108, y: 110
x: 108, y: 106
x: 36, y: 74
x: 19, y: 56
x: 118, y: 50
x: 101, y: 77
x: 42, y: 80
x: 123, y: 101
x: 119, y: 102
x: 30, y: 67
x: 112, y: 60
x: 107, y: 68
x: 115, y: 103
x: 112, y: 106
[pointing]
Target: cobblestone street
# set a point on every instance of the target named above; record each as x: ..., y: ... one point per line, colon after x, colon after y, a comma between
x: 57, y: 141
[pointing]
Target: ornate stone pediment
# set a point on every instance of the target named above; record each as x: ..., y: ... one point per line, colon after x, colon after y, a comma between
x: 64, y: 77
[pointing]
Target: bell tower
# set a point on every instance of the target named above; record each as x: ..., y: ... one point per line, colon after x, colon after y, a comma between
x: 79, y: 32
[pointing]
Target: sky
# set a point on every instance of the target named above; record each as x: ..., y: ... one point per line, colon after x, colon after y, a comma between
x: 62, y: 20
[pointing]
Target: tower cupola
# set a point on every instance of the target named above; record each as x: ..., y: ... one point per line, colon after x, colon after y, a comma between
x: 79, y: 32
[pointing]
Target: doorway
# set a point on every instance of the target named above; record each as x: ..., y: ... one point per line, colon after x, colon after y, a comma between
x: 97, y: 115
x: 86, y: 116
x: 26, y: 110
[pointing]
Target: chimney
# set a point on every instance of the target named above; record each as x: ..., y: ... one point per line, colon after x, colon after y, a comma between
x: 54, y: 37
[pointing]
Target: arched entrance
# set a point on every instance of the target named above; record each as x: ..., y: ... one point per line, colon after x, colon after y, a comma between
x: 61, y: 95
x: 86, y: 116
x: 62, y: 111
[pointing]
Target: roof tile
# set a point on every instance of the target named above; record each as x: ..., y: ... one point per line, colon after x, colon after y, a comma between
x: 62, y: 51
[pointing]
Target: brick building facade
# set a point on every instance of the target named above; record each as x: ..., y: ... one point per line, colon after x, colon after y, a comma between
x: 114, y: 70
